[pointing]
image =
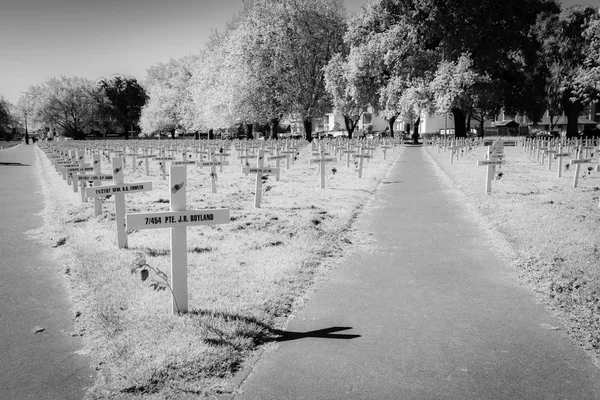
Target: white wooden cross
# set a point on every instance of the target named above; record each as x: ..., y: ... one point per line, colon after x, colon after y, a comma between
x: 560, y: 156
x: 146, y: 157
x: 213, y: 169
x: 97, y: 177
x: 178, y: 219
x: 119, y: 189
x: 321, y: 161
x: 550, y: 153
x: 70, y: 170
x: 577, y: 162
x: 361, y: 157
x: 259, y: 170
x: 349, y: 151
x: 490, y: 163
x: 278, y: 157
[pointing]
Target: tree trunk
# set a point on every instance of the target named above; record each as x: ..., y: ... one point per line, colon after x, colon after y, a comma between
x: 172, y: 133
x: 572, y: 111
x: 468, y: 127
x: 415, y: 135
x: 390, y: 123
x: 211, y: 134
x: 248, y: 131
x: 481, y: 129
x: 274, y: 123
x: 307, y: 123
x: 459, y: 122
x: 350, y: 125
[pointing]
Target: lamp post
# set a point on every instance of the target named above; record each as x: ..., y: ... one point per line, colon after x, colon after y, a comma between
x: 26, y: 132
x: 26, y: 106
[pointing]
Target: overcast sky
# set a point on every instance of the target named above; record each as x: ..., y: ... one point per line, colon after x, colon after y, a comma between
x: 40, y: 39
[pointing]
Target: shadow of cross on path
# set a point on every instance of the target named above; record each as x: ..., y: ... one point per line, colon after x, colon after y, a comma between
x: 326, y: 333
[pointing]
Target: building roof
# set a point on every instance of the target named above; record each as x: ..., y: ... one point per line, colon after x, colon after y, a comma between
x: 509, y: 123
x: 563, y: 121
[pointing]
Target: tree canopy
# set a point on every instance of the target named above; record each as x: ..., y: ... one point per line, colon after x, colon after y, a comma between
x: 269, y: 63
x: 568, y: 53
x: 170, y: 105
x: 70, y: 103
x: 301, y: 59
x: 404, y: 41
x: 126, y: 97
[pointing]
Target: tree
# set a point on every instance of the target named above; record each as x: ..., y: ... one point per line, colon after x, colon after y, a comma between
x: 404, y: 39
x: 587, y: 78
x: 343, y: 87
x: 6, y: 117
x: 126, y: 97
x: 170, y: 105
x: 223, y: 88
x: 387, y: 54
x: 459, y: 89
x: 566, y: 50
x: 71, y: 103
x: 286, y: 45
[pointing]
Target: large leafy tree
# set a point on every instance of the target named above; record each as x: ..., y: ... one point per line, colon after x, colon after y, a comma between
x: 223, y: 88
x: 126, y: 97
x: 387, y: 54
x: 70, y: 103
x: 170, y: 105
x: 587, y: 79
x: 344, y: 86
x: 458, y: 86
x: 565, y: 50
x: 404, y: 39
x: 286, y: 45
x: 6, y: 117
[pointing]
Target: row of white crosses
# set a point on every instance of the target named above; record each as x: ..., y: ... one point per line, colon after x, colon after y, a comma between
x: 177, y: 219
x: 541, y: 148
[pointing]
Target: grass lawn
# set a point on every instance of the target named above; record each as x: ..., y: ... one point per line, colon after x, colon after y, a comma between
x: 547, y: 229
x: 244, y: 278
x: 247, y: 276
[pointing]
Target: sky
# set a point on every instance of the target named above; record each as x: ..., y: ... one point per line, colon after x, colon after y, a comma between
x: 41, y: 39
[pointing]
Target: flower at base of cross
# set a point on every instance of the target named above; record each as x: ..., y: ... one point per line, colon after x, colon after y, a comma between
x: 140, y: 260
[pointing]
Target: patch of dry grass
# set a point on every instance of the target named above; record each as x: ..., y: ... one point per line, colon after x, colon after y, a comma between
x: 548, y: 229
x: 244, y: 278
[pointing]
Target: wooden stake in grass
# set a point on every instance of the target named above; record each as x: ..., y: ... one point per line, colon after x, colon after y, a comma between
x: 178, y: 219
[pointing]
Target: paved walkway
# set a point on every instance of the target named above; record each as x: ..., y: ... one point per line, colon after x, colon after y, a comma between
x: 430, y: 313
x: 42, y: 365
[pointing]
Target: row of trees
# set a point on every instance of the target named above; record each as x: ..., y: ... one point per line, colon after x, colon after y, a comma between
x: 411, y: 56
x: 405, y: 58
x: 301, y: 58
x: 73, y: 105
